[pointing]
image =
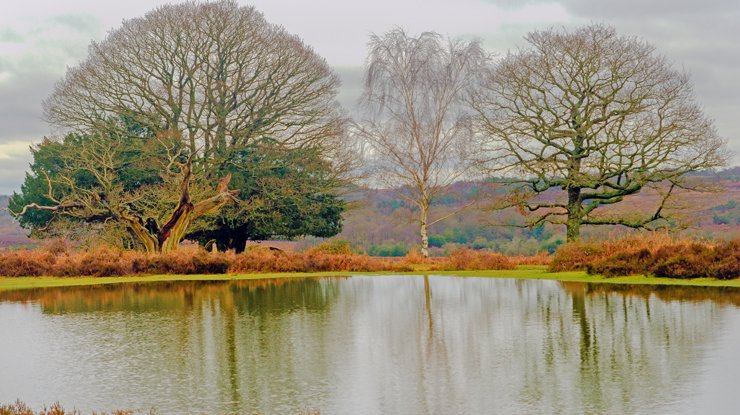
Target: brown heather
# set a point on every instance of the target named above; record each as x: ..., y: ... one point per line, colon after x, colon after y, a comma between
x: 60, y: 261
x: 468, y: 259
x: 542, y: 258
x: 656, y: 255
x: 577, y: 255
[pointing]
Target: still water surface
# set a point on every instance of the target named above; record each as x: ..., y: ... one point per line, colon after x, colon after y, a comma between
x: 374, y: 345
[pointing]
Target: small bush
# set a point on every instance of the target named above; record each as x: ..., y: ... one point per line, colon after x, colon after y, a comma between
x: 677, y: 259
x: 622, y: 263
x: 698, y: 261
x: 542, y: 258
x: 681, y: 261
x: 468, y: 259
x: 56, y: 246
x: 25, y: 263
x: 190, y: 260
x: 334, y: 247
x: 578, y: 255
x: 414, y: 256
x: 727, y: 261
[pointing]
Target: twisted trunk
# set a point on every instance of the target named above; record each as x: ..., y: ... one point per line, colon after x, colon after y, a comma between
x: 174, y: 230
x: 168, y: 238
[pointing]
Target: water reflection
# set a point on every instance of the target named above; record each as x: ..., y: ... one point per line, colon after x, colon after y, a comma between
x: 363, y: 345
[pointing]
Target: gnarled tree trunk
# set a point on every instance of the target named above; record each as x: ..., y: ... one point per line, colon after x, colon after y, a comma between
x: 171, y: 234
x: 168, y: 237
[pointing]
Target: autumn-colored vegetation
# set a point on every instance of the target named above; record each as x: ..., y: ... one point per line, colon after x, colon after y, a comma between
x: 658, y: 255
x: 57, y: 259
x: 381, y: 226
x: 20, y: 408
x: 477, y: 260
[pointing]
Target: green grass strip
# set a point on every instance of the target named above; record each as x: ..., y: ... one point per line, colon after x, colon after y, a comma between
x: 523, y: 272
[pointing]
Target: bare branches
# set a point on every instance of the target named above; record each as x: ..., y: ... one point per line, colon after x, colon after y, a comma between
x: 418, y: 127
x: 595, y: 114
x: 217, y: 73
x: 57, y: 208
x: 163, y: 104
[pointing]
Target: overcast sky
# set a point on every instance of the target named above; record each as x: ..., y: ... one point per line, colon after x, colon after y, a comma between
x: 39, y: 39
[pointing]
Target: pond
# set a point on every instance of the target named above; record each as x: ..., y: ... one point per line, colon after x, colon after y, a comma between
x: 373, y: 345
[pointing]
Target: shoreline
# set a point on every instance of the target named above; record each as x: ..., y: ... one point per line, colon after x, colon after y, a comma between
x: 522, y: 272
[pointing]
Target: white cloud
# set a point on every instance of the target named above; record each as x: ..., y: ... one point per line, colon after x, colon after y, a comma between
x: 14, y: 160
x: 339, y: 30
x: 14, y: 149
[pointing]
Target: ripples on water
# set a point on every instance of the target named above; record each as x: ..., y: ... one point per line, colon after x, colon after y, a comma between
x: 372, y: 345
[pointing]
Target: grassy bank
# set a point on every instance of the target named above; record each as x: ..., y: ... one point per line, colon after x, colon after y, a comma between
x: 522, y: 272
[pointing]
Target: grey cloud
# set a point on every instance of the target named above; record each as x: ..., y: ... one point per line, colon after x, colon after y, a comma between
x: 84, y: 23
x: 20, y: 106
x: 630, y: 8
x: 698, y: 37
x: 20, y: 118
x: 12, y: 173
x: 352, y: 84
x: 655, y: 8
x: 29, y: 78
x: 11, y: 36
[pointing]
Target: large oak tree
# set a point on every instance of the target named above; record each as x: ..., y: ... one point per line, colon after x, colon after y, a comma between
x: 142, y: 183
x: 206, y: 81
x: 597, y: 116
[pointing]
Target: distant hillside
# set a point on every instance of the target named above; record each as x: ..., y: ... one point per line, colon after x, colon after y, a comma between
x: 11, y: 235
x: 731, y: 174
x: 382, y: 223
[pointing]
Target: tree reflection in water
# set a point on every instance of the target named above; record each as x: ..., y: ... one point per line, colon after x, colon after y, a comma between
x: 360, y: 345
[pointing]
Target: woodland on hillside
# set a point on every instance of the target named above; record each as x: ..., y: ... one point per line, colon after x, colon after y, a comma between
x: 381, y: 223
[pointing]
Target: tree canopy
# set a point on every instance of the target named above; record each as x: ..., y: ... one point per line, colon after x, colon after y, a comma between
x: 165, y: 107
x: 285, y: 194
x: 596, y: 115
x: 217, y: 73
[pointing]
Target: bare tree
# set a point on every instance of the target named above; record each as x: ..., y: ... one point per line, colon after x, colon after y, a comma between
x: 596, y: 115
x: 217, y: 78
x: 416, y: 124
x: 217, y: 72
